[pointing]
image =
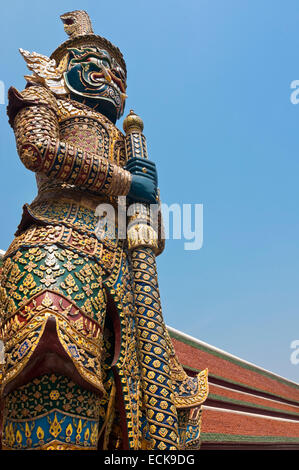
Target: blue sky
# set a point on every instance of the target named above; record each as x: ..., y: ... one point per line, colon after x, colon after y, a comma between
x: 211, y: 80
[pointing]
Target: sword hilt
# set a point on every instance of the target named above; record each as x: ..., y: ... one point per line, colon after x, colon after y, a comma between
x: 140, y: 230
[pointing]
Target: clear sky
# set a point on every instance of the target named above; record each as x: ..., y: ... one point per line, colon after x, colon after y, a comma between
x: 211, y: 80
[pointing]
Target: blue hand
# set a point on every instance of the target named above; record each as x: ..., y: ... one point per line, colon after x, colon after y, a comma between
x: 142, y: 167
x: 144, y: 180
x: 143, y: 189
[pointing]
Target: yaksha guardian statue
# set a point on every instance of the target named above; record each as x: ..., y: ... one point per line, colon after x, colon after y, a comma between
x: 88, y: 360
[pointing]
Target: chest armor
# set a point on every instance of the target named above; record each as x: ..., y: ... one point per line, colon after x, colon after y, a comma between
x: 89, y: 130
x: 82, y: 127
x: 61, y: 202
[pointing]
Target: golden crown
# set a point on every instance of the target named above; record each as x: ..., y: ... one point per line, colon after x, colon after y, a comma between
x: 77, y: 25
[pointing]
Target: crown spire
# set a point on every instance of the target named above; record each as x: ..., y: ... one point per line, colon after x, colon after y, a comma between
x: 77, y: 23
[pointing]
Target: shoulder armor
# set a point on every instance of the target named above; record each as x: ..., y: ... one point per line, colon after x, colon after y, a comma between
x: 31, y: 96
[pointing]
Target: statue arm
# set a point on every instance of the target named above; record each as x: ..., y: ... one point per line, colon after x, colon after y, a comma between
x: 34, y: 119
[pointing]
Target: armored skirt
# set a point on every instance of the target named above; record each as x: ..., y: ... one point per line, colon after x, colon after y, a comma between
x: 68, y: 329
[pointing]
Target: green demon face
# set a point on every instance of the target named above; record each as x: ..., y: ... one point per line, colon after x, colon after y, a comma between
x: 96, y: 79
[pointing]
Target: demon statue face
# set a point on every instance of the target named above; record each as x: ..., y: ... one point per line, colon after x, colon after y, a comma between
x: 86, y: 68
x: 95, y: 78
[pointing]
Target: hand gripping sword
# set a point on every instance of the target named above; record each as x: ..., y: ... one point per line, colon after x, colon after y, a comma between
x: 155, y: 346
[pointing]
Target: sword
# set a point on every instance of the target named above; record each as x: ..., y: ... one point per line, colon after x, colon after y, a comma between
x: 153, y: 340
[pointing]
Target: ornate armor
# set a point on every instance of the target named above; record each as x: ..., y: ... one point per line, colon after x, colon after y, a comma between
x: 88, y: 361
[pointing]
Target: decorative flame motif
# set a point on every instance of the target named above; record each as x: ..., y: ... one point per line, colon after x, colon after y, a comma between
x: 44, y: 71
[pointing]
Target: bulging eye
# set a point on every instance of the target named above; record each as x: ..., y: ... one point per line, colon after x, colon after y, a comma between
x: 99, y: 62
x: 93, y: 60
